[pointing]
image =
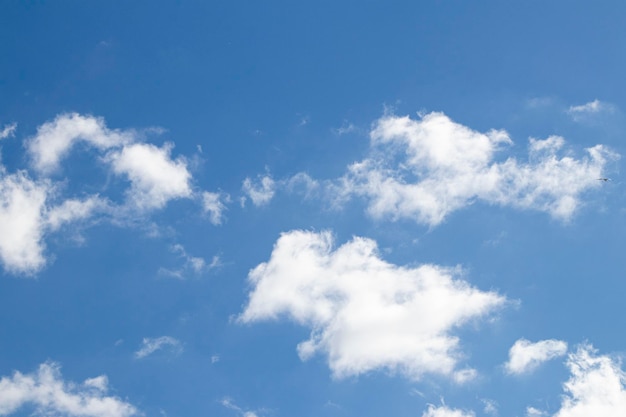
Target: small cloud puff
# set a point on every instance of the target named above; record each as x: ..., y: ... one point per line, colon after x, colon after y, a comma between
x: 525, y: 356
x: 151, y: 345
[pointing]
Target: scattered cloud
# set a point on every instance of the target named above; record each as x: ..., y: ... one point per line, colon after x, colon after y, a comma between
x: 595, y: 387
x: 228, y: 403
x: 214, y: 205
x: 54, y: 139
x: 260, y: 191
x: 585, y: 111
x: 534, y: 412
x: 72, y: 210
x: 491, y: 406
x: 151, y: 345
x: 345, y: 128
x: 364, y: 313
x: 154, y: 176
x: 428, y: 168
x: 8, y: 131
x: 22, y: 221
x: 49, y: 394
x: 192, y: 264
x: 444, y: 411
x: 525, y: 356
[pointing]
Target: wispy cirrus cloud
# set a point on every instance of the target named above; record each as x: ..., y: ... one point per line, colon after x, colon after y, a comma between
x: 8, y: 130
x: 585, y: 112
x: 49, y: 394
x: 150, y: 345
x: 366, y: 314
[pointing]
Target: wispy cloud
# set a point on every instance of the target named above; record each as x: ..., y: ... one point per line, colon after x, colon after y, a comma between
x: 260, y: 191
x: 151, y: 345
x: 215, y: 205
x: 8, y: 131
x: 586, y: 111
x: 525, y: 356
x: 192, y: 264
x: 366, y: 314
x: 228, y: 403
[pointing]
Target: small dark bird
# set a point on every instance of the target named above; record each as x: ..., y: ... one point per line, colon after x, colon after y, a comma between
x: 604, y: 179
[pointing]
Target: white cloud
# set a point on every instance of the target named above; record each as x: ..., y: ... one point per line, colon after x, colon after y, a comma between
x: 595, y: 387
x: 228, y: 403
x: 192, y: 264
x: 491, y: 406
x: 22, y: 206
x: 54, y: 139
x: 155, y: 178
x: 151, y: 345
x: 73, y: 210
x: 213, y: 203
x: 260, y: 192
x: 8, y: 131
x: 50, y: 395
x: 584, y: 111
x: 534, y: 412
x: 525, y: 356
x: 364, y: 313
x: 444, y: 411
x: 426, y: 169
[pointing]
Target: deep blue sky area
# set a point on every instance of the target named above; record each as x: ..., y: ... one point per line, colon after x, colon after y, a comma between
x: 424, y: 196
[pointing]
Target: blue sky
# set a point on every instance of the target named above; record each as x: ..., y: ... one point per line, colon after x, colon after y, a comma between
x: 266, y: 209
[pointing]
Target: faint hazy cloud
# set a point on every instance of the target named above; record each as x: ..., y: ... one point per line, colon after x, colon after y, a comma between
x: 192, y: 264
x: 525, y: 356
x: 228, y: 403
x: 151, y: 345
x: 49, y: 394
x: 215, y: 205
x: 364, y: 313
x: 584, y: 111
x: 260, y: 191
x: 8, y: 131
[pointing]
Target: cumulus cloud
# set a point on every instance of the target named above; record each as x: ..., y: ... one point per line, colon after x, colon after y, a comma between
x: 49, y: 394
x: 214, y: 205
x: 366, y: 314
x: 151, y: 345
x: 73, y: 209
x: 428, y: 168
x: 595, y: 387
x: 525, y: 356
x: 260, y: 191
x: 54, y: 139
x: 8, y: 131
x: 154, y: 176
x: 22, y: 207
x: 444, y: 411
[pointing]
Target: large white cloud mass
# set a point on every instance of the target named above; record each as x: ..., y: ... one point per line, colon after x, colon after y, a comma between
x: 364, y: 313
x: 49, y: 394
x: 525, y: 356
x: 596, y: 386
x: 428, y: 168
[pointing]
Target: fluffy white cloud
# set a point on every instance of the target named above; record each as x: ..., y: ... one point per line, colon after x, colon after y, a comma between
x: 154, y: 176
x: 8, y: 131
x: 151, y: 345
x: 50, y: 395
x: 595, y: 387
x: 525, y: 356
x: 366, y: 314
x: 213, y: 203
x: 22, y: 206
x: 444, y: 411
x: 534, y: 412
x: 261, y: 191
x: 425, y: 169
x: 54, y: 139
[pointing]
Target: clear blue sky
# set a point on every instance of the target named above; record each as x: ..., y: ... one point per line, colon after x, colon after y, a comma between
x: 268, y: 209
